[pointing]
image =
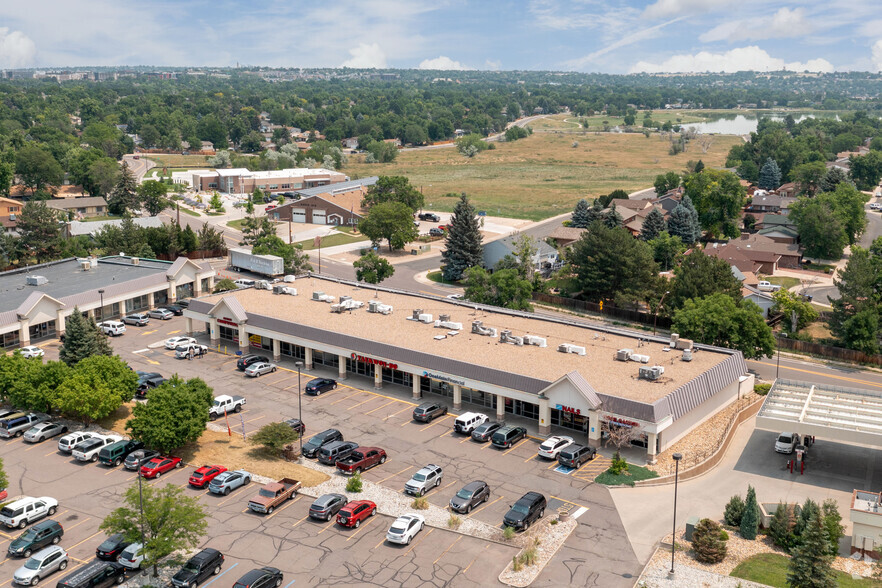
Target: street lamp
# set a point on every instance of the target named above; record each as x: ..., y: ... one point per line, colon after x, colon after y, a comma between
x: 657, y: 308
x: 101, y: 294
x: 299, y: 365
x: 677, y: 457
x: 141, y: 462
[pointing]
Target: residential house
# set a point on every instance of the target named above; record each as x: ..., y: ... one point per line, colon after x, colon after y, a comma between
x: 336, y: 204
x: 9, y: 211
x: 777, y: 227
x: 80, y: 207
x: 350, y: 143
x: 545, y: 258
x: 667, y: 202
x: 396, y: 142
x: 734, y: 257
x: 566, y: 236
x: 788, y: 190
x: 761, y: 299
x: 788, y: 253
x: 770, y: 203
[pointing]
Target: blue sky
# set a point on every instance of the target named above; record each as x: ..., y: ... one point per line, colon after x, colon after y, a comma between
x: 611, y: 36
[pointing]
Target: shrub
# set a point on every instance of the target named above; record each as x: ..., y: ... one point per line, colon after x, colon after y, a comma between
x: 274, y: 437
x: 515, y: 564
x: 734, y: 511
x: 750, y: 518
x: 420, y: 503
x: 354, y: 484
x: 709, y: 541
x: 508, y: 533
x: 528, y: 557
x: 554, y: 521
x: 782, y: 526
x: 454, y: 522
x: 224, y: 285
x: 762, y: 389
x: 618, y: 465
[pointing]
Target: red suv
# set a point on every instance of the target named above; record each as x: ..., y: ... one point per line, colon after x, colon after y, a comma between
x: 356, y: 511
x: 204, y: 475
x: 160, y: 465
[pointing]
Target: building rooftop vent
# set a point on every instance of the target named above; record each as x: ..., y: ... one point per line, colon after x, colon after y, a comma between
x: 37, y: 280
x: 651, y: 373
x: 478, y: 328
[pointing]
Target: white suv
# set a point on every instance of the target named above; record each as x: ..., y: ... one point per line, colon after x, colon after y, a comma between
x: 553, y: 445
x: 88, y: 449
x: 112, y: 328
x: 27, y: 510
x: 71, y: 440
x: 426, y: 478
x: 466, y: 422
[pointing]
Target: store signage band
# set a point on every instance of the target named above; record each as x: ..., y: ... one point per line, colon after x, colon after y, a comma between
x: 568, y: 409
x: 443, y: 378
x: 371, y: 360
x: 621, y: 421
x: 226, y: 321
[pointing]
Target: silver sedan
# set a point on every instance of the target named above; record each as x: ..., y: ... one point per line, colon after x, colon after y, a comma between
x: 260, y: 368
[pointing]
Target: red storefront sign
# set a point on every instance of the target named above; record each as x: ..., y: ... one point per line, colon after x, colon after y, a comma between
x: 620, y: 421
x: 226, y: 321
x: 371, y: 360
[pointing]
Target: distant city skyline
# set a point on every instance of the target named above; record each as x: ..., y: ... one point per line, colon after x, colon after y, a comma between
x: 613, y: 36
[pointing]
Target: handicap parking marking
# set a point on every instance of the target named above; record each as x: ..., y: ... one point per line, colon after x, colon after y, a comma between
x: 565, y: 470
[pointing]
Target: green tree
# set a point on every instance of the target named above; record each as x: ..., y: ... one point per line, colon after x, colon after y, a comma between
x: 82, y: 339
x: 810, y: 565
x: 296, y: 260
x: 700, y: 275
x: 103, y: 175
x: 819, y: 228
x: 861, y: 331
x: 791, y: 306
x: 250, y: 143
x: 848, y: 205
x: 514, y: 132
x: 40, y: 232
x: 580, y: 215
x: 718, y: 320
x: 372, y: 269
x: 463, y: 244
x: 769, y: 175
x: 37, y: 168
x: 832, y: 522
x: 123, y: 198
x: 392, y: 221
x: 176, y: 414
x: 172, y: 521
x: 96, y: 387
x: 610, y: 264
x: 471, y: 144
x: 394, y: 189
x: 781, y: 528
x: 855, y: 313
x: 274, y: 437
x: 4, y: 481
x: 216, y: 203
x: 7, y: 170
x: 833, y: 177
x: 809, y: 176
x: 683, y: 222
x: 709, y: 541
x: 503, y: 288
x: 750, y: 519
x: 664, y: 183
x: 666, y: 249
x: 866, y: 170
x: 612, y: 219
x: 718, y: 197
x: 151, y: 195
x: 36, y: 383
x: 256, y: 228
x: 734, y: 511
x: 380, y: 152
x: 224, y: 285
x: 653, y: 225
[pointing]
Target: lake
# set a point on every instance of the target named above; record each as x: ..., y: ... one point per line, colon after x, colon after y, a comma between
x: 744, y: 124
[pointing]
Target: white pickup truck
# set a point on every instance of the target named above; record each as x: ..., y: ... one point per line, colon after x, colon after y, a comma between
x: 225, y: 404
x: 765, y: 286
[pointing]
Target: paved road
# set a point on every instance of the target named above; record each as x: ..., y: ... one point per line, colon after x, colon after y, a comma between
x: 793, y: 368
x: 138, y: 166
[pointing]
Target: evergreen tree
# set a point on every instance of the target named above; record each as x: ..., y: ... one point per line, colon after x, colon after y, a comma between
x: 699, y: 167
x: 750, y: 518
x: 613, y: 219
x: 810, y: 565
x: 684, y: 223
x: 770, y: 175
x: 124, y: 195
x: 653, y: 224
x: 464, y: 243
x: 580, y: 214
x: 595, y: 213
x: 82, y: 339
x: 809, y: 509
x: 734, y: 511
x: 832, y: 524
x: 833, y: 177
x: 782, y: 525
x: 709, y: 541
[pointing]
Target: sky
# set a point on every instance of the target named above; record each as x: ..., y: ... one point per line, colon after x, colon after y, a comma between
x: 608, y: 36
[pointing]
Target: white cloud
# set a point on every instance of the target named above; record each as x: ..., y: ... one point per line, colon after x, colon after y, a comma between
x: 441, y: 62
x: 750, y: 58
x: 669, y: 8
x: 366, y: 56
x: 877, y: 55
x: 635, y: 37
x: 16, y: 49
x: 493, y: 65
x: 783, y: 24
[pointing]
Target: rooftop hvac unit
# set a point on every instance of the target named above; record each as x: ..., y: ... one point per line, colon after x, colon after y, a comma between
x: 683, y: 344
x: 263, y: 285
x: 289, y: 278
x: 289, y: 290
x: 384, y: 309
x: 415, y: 316
x: 338, y: 308
x: 349, y: 304
x: 444, y: 318
x: 570, y: 348
x: 534, y: 340
x: 687, y: 355
x: 624, y: 354
x: 372, y: 305
x: 278, y: 289
x: 651, y: 373
x: 136, y: 261
x: 478, y: 328
x: 345, y: 298
x: 447, y: 324
x: 507, y: 337
x: 674, y: 338
x: 425, y: 318
x: 318, y: 295
x: 86, y: 265
x: 639, y: 358
x: 37, y: 280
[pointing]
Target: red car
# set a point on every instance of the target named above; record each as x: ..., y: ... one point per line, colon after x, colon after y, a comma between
x: 201, y: 477
x: 160, y: 465
x: 354, y: 512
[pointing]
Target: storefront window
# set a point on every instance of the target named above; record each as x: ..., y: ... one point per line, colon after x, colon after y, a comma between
x: 229, y: 333
x: 10, y: 339
x: 160, y: 297
x: 296, y: 351
x: 429, y: 386
x: 184, y: 291
x: 137, y: 303
x: 568, y: 420
x: 360, y: 368
x: 205, y: 285
x: 326, y: 359
x: 111, y: 311
x: 397, y: 377
x: 42, y: 331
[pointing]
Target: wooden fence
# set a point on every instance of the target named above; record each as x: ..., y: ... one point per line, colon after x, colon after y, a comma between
x: 849, y: 355
x: 608, y: 310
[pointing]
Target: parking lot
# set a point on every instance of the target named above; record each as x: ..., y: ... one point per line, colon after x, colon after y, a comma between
x: 372, y: 418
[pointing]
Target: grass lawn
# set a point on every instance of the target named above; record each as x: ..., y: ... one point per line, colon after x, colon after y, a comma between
x: 771, y: 569
x: 542, y: 175
x: 157, y: 171
x: 786, y: 282
x: 332, y: 240
x: 188, y: 211
x: 178, y: 161
x: 634, y: 473
x: 236, y: 224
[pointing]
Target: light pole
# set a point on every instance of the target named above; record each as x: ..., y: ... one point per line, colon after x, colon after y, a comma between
x: 657, y: 308
x: 299, y: 365
x: 778, y: 353
x: 101, y: 294
x: 677, y: 457
x: 141, y: 462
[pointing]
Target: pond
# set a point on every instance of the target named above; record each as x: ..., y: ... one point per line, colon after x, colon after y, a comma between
x: 744, y: 124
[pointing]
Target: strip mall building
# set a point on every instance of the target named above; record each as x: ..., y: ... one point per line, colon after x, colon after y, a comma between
x: 561, y: 374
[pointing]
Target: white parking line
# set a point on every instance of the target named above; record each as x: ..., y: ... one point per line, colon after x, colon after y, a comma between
x: 581, y: 510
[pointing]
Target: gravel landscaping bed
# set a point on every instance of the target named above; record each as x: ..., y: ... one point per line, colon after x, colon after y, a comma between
x: 551, y: 537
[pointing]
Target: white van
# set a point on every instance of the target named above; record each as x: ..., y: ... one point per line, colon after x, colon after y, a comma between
x: 27, y: 510
x: 466, y: 422
x: 244, y: 283
x: 112, y: 328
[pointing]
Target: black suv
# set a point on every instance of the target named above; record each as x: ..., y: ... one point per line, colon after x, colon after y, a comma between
x: 96, y: 574
x: 319, y: 385
x: 247, y: 360
x: 483, y: 432
x: 311, y: 447
x: 205, y: 563
x: 429, y: 216
x: 470, y: 496
x: 174, y: 309
x: 111, y: 547
x: 427, y: 411
x: 526, y: 511
x: 262, y: 578
x: 36, y: 538
x: 575, y: 455
x: 508, y: 436
x: 327, y: 506
x: 331, y: 453
x: 297, y: 425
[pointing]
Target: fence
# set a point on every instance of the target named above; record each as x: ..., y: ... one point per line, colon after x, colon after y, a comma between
x: 608, y: 310
x: 850, y: 355
x: 194, y: 255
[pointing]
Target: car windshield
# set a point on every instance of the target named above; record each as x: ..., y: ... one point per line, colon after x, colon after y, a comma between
x: 397, y: 530
x: 521, y: 508
x: 197, y: 474
x: 464, y: 494
x: 29, y: 535
x: 419, y: 477
x: 191, y: 567
x: 33, y: 564
x: 267, y: 493
x: 548, y: 444
x: 785, y: 439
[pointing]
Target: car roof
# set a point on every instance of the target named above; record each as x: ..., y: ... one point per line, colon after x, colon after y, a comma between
x: 429, y: 468
x: 327, y: 498
x: 488, y: 425
x: 475, y: 485
x: 207, y: 553
x: 531, y: 496
x: 47, y: 551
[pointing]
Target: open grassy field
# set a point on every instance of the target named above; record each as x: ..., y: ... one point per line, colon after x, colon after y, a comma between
x: 542, y: 175
x: 178, y: 161
x: 771, y: 569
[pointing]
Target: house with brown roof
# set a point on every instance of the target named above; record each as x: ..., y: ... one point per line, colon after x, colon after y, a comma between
x: 770, y: 203
x: 566, y: 236
x: 334, y: 204
x: 622, y: 203
x: 734, y: 257
x: 788, y: 254
x: 788, y: 190
x: 80, y: 207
